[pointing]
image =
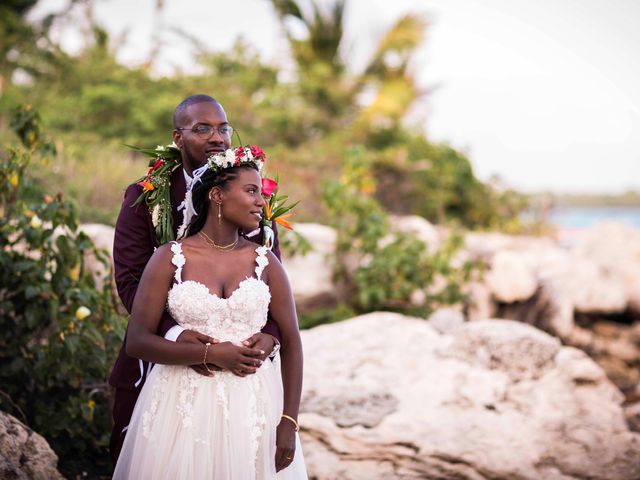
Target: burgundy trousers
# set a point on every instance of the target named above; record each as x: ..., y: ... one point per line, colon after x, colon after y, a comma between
x: 124, y: 401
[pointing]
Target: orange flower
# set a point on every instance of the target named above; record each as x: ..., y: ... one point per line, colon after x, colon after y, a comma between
x: 147, y: 186
x: 267, y: 210
x: 281, y: 221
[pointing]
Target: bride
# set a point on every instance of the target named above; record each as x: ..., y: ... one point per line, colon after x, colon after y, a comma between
x: 241, y: 422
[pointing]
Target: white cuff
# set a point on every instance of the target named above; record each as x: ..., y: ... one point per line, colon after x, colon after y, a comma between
x: 253, y: 233
x: 173, y: 333
x: 276, y: 347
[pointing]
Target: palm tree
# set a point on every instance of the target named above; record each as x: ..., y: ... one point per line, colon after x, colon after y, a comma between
x: 327, y: 81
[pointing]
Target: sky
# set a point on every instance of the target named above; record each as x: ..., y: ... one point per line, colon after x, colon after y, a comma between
x: 544, y: 94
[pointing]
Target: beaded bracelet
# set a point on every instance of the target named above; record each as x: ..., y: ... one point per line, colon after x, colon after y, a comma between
x: 204, y: 360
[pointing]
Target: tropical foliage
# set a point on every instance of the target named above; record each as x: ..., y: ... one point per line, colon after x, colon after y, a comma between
x: 59, y: 331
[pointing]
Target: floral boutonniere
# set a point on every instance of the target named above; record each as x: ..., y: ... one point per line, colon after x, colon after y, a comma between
x: 155, y: 187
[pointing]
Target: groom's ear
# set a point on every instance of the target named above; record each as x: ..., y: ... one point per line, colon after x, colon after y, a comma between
x: 177, y: 138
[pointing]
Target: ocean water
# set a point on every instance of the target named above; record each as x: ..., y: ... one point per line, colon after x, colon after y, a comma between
x: 585, y: 217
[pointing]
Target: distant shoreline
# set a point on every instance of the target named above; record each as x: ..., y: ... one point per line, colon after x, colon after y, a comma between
x: 627, y: 199
x: 583, y: 216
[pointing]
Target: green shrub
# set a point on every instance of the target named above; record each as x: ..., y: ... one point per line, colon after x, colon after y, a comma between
x: 377, y: 268
x: 58, y: 334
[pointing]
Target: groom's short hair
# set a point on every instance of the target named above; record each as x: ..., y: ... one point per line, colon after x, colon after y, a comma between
x: 191, y: 100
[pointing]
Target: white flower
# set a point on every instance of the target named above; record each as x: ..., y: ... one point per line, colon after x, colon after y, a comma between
x: 35, y: 222
x: 160, y: 148
x: 249, y: 154
x: 155, y: 215
x: 230, y: 157
x: 173, y: 145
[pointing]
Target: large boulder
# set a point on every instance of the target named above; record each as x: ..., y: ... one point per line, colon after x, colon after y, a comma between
x: 510, y: 278
x: 311, y: 275
x: 615, y: 248
x: 387, y: 396
x: 24, y: 454
x: 102, y: 237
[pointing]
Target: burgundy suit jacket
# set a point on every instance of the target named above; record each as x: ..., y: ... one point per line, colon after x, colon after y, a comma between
x: 134, y: 243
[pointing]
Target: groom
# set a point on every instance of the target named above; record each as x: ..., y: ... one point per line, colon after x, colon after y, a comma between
x: 135, y: 242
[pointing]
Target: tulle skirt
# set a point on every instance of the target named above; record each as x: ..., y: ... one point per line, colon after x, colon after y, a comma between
x: 188, y: 426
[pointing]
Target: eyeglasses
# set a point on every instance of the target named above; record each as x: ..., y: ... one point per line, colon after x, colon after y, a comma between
x: 205, y: 131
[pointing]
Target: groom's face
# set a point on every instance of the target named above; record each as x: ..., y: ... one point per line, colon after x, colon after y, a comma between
x: 196, y: 148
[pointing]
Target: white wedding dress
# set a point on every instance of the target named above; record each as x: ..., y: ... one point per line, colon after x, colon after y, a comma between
x: 188, y: 426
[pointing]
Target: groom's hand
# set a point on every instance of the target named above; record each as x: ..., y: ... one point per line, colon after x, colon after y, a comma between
x: 261, y: 341
x: 191, y: 336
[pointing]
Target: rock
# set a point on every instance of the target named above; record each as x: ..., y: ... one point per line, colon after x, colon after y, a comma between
x: 419, y: 227
x: 484, y: 245
x: 632, y: 414
x: 615, y: 247
x: 521, y: 353
x: 592, y: 289
x: 23, y: 453
x: 547, y: 310
x: 491, y: 399
x: 444, y: 320
x: 102, y: 237
x: 479, y: 304
x: 311, y: 275
x: 510, y: 279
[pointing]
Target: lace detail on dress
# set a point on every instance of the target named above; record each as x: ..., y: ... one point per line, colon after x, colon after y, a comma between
x: 158, y: 391
x: 178, y: 260
x: 261, y: 260
x: 232, y: 319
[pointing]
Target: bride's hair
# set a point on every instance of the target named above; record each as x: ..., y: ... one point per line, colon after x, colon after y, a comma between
x: 200, y: 192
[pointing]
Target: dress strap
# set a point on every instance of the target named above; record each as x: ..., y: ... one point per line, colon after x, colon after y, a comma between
x: 261, y: 260
x: 177, y: 260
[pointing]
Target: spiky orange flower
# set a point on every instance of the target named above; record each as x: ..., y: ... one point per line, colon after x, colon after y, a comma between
x: 147, y: 186
x: 281, y: 220
x: 267, y: 211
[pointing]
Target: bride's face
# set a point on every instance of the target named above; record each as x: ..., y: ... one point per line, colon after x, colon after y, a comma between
x: 242, y: 200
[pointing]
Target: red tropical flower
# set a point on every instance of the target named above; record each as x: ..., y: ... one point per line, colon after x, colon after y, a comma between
x: 268, y: 186
x: 158, y: 164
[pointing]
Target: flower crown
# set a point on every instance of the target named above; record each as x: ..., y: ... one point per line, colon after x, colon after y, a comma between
x: 236, y: 157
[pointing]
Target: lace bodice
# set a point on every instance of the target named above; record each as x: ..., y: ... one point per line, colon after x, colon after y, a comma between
x: 232, y: 319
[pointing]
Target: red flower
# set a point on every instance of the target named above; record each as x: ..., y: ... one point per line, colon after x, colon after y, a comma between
x: 268, y: 186
x: 256, y: 151
x: 155, y: 166
x: 158, y: 164
x: 239, y: 153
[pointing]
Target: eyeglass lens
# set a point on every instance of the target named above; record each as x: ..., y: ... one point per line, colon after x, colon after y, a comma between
x: 205, y: 131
